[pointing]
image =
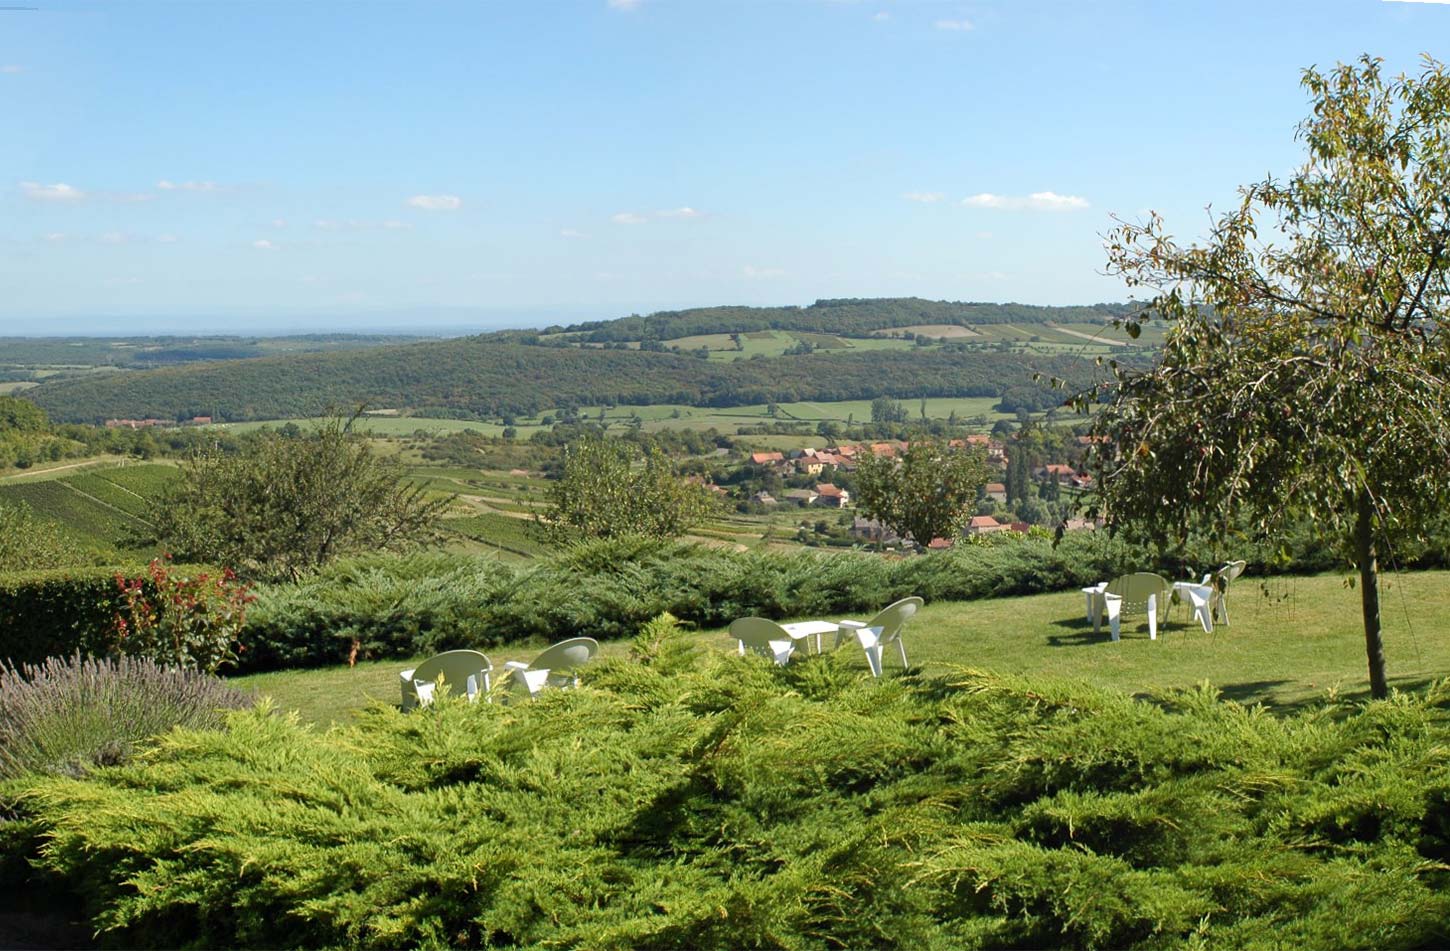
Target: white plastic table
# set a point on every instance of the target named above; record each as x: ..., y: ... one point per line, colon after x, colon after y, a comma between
x: 801, y: 630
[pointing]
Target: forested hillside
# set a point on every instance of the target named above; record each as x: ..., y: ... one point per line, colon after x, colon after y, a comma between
x: 841, y: 316
x: 476, y: 376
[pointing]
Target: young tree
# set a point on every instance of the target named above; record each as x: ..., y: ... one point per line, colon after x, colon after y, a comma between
x: 927, y: 491
x: 604, y: 490
x: 886, y: 410
x: 1307, y: 373
x: 290, y: 505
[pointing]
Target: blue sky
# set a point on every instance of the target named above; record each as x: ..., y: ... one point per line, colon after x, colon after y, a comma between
x: 274, y: 166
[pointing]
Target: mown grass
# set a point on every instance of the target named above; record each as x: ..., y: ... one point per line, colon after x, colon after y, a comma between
x: 1293, y: 642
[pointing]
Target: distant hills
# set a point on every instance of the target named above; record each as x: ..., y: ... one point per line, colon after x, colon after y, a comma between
x: 526, y: 372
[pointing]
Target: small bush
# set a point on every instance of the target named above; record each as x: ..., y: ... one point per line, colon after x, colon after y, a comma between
x: 181, y: 620
x: 66, y: 715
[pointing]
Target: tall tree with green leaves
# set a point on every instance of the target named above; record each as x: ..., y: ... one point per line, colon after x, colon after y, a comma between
x: 609, y: 487
x: 291, y: 504
x: 927, y: 491
x: 1306, y: 371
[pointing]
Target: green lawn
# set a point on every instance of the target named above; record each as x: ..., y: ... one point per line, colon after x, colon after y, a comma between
x: 1293, y: 641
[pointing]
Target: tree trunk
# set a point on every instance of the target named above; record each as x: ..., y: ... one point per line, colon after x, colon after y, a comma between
x: 1369, y: 595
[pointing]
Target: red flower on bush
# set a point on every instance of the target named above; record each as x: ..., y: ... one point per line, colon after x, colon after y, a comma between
x: 178, y: 621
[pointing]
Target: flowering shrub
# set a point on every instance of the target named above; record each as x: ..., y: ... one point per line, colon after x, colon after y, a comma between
x: 177, y: 621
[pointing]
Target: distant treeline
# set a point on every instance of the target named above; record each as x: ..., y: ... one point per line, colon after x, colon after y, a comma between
x: 841, y: 316
x: 167, y: 351
x: 480, y: 377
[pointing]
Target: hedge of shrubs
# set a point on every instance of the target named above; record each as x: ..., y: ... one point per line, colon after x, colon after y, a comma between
x: 693, y: 799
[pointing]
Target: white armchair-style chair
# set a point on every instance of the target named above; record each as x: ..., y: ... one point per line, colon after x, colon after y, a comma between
x: 1220, y: 581
x: 455, y: 671
x: 883, y: 629
x: 557, y: 666
x: 765, y: 637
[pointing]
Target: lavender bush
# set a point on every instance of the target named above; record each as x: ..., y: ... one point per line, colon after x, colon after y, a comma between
x: 65, y: 715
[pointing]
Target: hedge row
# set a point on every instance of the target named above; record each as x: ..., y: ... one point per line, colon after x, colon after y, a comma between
x: 63, y: 611
x: 403, y: 607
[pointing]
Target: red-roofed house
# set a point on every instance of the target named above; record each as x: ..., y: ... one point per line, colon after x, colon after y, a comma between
x: 766, y: 458
x: 983, y: 525
x: 996, y: 490
x: 1058, y: 471
x: 832, y: 495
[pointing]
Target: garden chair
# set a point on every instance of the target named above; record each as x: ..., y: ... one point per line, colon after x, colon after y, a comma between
x: 883, y: 629
x: 463, y: 670
x: 763, y: 636
x: 557, y: 666
x: 1220, y: 580
x: 1140, y: 592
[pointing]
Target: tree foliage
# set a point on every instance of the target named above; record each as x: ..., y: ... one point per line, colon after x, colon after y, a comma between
x: 290, y: 505
x: 1307, y: 367
x: 927, y: 491
x: 608, y: 488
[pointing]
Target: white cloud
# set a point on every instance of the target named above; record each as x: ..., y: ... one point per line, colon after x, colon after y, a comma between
x: 571, y: 233
x: 55, y: 237
x: 168, y: 186
x: 761, y: 273
x: 279, y: 222
x: 166, y: 239
x: 436, y: 202
x: 957, y: 26
x: 983, y: 235
x: 1037, y: 201
x: 927, y: 197
x: 628, y: 218
x: 625, y: 5
x: 882, y: 17
x: 685, y: 212
x: 393, y: 224
x: 12, y: 69
x: 115, y: 237
x: 131, y: 198
x: 262, y: 244
x: 57, y: 192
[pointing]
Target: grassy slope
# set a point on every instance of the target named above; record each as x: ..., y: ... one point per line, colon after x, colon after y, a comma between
x: 1291, y: 646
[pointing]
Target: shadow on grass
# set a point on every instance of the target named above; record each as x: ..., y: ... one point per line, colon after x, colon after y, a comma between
x: 1078, y: 632
x: 1262, y: 691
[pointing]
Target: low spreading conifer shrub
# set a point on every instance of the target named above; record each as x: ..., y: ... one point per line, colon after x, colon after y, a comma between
x: 690, y: 799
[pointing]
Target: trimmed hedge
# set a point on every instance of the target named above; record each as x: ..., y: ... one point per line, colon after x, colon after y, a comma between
x: 63, y: 611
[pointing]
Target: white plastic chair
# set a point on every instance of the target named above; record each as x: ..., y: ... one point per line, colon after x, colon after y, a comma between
x: 1141, y: 591
x: 557, y: 666
x: 763, y: 636
x: 462, y: 669
x: 883, y: 629
x: 1220, y: 581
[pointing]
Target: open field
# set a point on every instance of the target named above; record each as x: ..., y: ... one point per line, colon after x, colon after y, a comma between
x: 1297, y: 644
x: 660, y: 416
x: 943, y: 331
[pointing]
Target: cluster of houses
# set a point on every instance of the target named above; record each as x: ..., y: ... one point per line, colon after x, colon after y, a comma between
x: 808, y: 461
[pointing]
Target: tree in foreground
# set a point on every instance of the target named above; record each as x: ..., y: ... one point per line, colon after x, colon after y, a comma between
x: 1306, y: 372
x: 927, y: 491
x: 605, y: 490
x: 292, y: 504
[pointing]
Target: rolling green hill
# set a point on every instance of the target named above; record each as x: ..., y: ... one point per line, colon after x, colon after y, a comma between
x: 841, y: 316
x: 517, y: 373
x: 104, y: 509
